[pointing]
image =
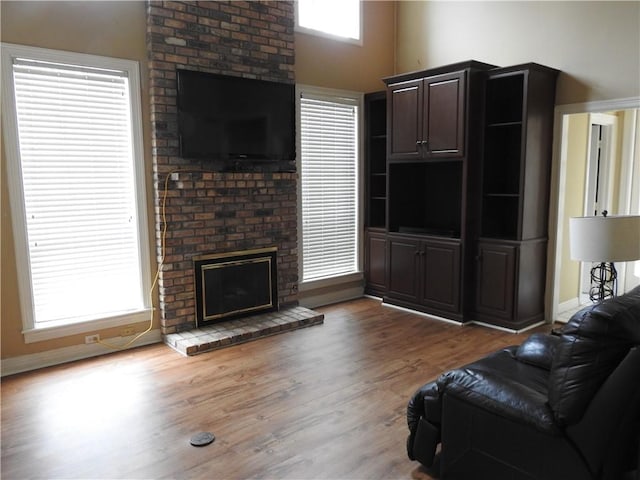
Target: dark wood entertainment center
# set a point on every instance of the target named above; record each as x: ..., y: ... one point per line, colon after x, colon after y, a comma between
x: 458, y: 167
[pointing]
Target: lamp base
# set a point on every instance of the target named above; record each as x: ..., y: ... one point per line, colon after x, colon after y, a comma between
x: 603, y: 282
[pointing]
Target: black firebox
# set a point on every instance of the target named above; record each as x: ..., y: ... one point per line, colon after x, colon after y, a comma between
x: 235, y: 284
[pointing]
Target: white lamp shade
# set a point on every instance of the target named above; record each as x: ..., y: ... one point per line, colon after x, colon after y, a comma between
x: 605, y: 239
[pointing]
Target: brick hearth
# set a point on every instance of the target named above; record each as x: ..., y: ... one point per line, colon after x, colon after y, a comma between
x: 232, y: 332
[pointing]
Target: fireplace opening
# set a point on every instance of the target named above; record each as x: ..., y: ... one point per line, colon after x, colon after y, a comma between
x: 235, y: 284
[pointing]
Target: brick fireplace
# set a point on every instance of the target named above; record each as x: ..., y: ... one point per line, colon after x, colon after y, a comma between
x: 209, y: 209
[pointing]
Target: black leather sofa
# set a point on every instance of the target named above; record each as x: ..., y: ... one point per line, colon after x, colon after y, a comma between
x: 561, y: 406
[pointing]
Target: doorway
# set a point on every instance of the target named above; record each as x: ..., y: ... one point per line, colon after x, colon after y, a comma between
x: 596, y: 168
x: 599, y: 188
x: 601, y: 155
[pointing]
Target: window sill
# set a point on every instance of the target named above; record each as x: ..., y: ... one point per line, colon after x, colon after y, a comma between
x: 47, y: 333
x: 330, y: 282
x: 319, y: 33
x: 331, y: 290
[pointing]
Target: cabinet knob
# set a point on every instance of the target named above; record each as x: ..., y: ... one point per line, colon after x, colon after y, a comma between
x: 422, y: 146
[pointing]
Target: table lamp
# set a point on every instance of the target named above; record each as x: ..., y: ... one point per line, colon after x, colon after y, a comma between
x: 604, y: 240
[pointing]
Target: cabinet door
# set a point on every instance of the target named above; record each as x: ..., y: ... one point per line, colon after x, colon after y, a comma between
x: 496, y: 278
x: 444, y: 115
x: 403, y: 269
x: 404, y: 109
x: 376, y: 263
x: 441, y: 275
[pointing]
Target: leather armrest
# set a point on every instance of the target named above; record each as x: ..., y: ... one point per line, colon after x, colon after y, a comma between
x: 424, y: 435
x: 417, y: 407
x: 501, y: 396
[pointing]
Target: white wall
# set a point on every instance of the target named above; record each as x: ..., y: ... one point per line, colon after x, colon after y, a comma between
x: 596, y: 45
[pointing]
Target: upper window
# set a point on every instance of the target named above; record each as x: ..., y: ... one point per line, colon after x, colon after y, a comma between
x: 75, y: 165
x: 340, y: 19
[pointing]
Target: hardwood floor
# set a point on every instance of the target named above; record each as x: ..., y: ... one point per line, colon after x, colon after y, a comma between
x: 325, y: 402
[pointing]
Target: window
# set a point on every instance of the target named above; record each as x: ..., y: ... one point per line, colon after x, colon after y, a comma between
x: 75, y: 164
x: 329, y: 148
x: 339, y: 19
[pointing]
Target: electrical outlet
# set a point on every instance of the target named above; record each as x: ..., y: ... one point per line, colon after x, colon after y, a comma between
x: 127, y: 331
x: 92, y: 338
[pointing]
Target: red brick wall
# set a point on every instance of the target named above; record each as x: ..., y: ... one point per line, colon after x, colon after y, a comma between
x: 208, y: 208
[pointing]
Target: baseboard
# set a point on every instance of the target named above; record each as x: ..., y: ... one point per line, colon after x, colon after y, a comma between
x: 423, y: 314
x: 508, y: 330
x: 329, y: 298
x: 34, y: 361
x: 570, y: 304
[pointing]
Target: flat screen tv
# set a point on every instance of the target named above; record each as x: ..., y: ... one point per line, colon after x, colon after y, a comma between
x: 232, y: 118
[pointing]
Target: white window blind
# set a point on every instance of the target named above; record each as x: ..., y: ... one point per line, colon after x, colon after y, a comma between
x: 329, y: 153
x: 78, y: 181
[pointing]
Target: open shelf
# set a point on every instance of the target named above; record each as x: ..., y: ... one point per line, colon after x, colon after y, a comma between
x: 500, y: 216
x: 505, y: 98
x: 376, y: 158
x: 378, y: 185
x: 424, y: 198
x: 378, y: 117
x: 502, y: 154
x: 377, y: 155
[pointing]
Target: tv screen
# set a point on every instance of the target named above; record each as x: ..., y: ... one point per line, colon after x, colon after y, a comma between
x: 222, y: 117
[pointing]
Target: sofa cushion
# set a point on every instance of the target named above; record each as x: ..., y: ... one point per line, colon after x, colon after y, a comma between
x: 503, y: 363
x: 538, y: 350
x: 591, y: 346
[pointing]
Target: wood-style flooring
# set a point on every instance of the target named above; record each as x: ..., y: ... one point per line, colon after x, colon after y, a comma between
x: 325, y: 402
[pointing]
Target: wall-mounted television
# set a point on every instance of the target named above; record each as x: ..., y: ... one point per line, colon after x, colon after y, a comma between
x: 222, y: 117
